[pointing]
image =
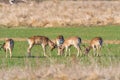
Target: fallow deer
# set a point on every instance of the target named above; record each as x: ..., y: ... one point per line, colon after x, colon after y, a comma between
x: 40, y: 40
x: 95, y: 44
x: 72, y: 41
x: 8, y: 45
x: 59, y: 41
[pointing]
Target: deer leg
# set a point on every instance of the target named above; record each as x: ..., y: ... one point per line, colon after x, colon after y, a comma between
x: 98, y: 50
x: 69, y: 51
x: 29, y: 49
x: 6, y: 52
x: 44, y: 50
x: 10, y: 53
x: 66, y: 49
x: 59, y: 52
x: 94, y: 51
x: 78, y: 52
x: 78, y: 49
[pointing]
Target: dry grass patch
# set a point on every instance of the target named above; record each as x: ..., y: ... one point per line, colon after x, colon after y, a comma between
x: 62, y: 72
x: 60, y: 13
x: 84, y: 41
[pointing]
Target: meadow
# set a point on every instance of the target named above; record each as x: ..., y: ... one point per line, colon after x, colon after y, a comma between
x: 60, y: 17
x: 35, y: 66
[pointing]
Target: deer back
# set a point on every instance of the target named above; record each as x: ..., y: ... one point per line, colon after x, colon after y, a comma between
x: 38, y: 40
x: 97, y: 41
x: 75, y: 41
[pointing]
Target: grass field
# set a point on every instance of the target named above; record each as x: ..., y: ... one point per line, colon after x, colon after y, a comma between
x: 86, y: 33
x: 107, y: 33
x: 110, y: 53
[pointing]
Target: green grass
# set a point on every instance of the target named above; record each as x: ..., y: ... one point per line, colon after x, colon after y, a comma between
x: 108, y: 32
x: 110, y: 53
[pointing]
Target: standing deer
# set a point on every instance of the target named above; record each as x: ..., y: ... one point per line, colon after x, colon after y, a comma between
x: 59, y: 41
x: 40, y: 40
x: 8, y: 45
x: 95, y: 44
x: 72, y: 41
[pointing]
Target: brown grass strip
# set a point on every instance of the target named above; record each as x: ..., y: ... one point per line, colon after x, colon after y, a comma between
x: 105, y: 41
x: 84, y: 41
x: 15, y: 39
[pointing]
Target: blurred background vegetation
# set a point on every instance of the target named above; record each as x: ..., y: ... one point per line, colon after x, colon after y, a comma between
x: 59, y: 13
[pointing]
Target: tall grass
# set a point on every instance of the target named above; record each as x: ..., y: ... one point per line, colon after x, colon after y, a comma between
x: 56, y: 71
x: 51, y: 13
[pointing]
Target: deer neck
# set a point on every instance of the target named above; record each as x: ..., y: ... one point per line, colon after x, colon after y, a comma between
x: 50, y: 43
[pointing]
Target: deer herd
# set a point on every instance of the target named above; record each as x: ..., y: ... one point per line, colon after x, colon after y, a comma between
x: 60, y: 43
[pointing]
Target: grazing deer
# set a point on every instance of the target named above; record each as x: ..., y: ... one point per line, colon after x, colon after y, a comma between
x: 40, y: 40
x: 72, y: 41
x: 95, y: 44
x: 8, y: 45
x: 59, y: 41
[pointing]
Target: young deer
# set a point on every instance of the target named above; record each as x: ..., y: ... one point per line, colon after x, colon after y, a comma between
x: 72, y: 41
x: 8, y: 45
x: 59, y: 41
x: 95, y: 44
x: 40, y: 40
